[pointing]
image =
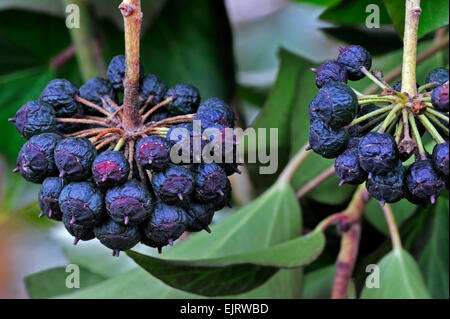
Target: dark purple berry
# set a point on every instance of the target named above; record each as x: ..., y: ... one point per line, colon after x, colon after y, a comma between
x: 80, y: 232
x: 153, y: 87
x: 353, y: 58
x: 186, y: 99
x: 330, y: 71
x: 440, y: 97
x: 230, y: 168
x: 199, y: 215
x: 159, y: 115
x: 440, y: 159
x: 438, y: 75
x: 96, y: 89
x: 215, y: 111
x: 117, y: 236
x: 153, y: 152
x: 336, y: 105
x: 69, y: 128
x: 389, y: 187
x: 219, y: 144
x: 48, y: 197
x: 224, y: 200
x: 354, y: 142
x: 210, y: 182
x: 74, y: 157
x: 34, y: 118
x: 110, y: 169
x: 60, y: 94
x: 166, y: 224
x: 83, y: 203
x: 129, y: 204
x: 326, y: 141
x: 348, y: 169
x: 182, y: 138
x: 116, y: 72
x: 35, y: 161
x: 378, y: 153
x: 173, y: 184
x: 423, y: 181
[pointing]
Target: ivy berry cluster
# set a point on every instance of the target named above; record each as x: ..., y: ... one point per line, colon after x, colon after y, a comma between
x: 372, y: 136
x: 105, y: 181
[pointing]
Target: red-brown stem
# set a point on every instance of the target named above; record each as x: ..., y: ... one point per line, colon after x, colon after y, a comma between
x: 63, y: 57
x: 91, y: 132
x: 92, y: 105
x: 173, y: 120
x: 81, y: 121
x: 156, y: 107
x: 131, y: 156
x: 346, y: 261
x: 319, y: 179
x: 132, y: 16
x: 107, y: 141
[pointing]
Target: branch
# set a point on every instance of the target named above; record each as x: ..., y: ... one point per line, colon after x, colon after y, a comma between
x: 312, y: 184
x: 290, y: 169
x: 392, y: 225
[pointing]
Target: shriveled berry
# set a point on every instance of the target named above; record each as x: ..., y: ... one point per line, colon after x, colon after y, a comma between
x: 48, y: 197
x: 158, y: 116
x: 230, y: 168
x: 210, y: 182
x: 35, y: 161
x: 60, y: 94
x: 438, y: 75
x: 330, y: 71
x: 165, y: 225
x: 423, y: 181
x: 116, y: 72
x: 173, y: 184
x: 69, y: 128
x: 130, y: 203
x: 354, y: 142
x: 440, y: 98
x: 80, y: 232
x: 186, y: 99
x: 200, y: 215
x: 440, y: 158
x: 219, y: 144
x: 34, y: 118
x: 96, y: 89
x: 215, y: 111
x: 74, y: 157
x: 336, y: 105
x: 326, y: 141
x: 83, y: 202
x: 378, y: 153
x: 181, y: 136
x: 153, y: 87
x: 117, y: 236
x: 348, y: 169
x: 153, y: 152
x: 353, y: 58
x: 224, y: 200
x: 110, y: 169
x: 388, y: 187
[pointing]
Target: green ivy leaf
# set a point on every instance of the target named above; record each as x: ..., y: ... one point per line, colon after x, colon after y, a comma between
x: 434, y: 15
x: 52, y: 282
x: 232, y: 274
x: 400, y: 277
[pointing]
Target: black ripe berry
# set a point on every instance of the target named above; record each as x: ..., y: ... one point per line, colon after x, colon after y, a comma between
x: 166, y: 224
x: 440, y: 98
x: 35, y: 161
x: 153, y: 89
x: 336, y: 105
x: 210, y: 182
x: 74, y: 157
x: 48, y: 197
x: 129, y: 204
x: 80, y: 232
x: 199, y: 215
x: 110, y: 169
x: 153, y: 152
x: 330, y: 71
x: 60, y: 94
x: 215, y: 111
x: 423, y: 181
x: 388, y: 187
x: 173, y: 184
x: 230, y: 168
x: 34, y: 118
x: 117, y: 236
x: 224, y: 200
x: 83, y: 203
x: 326, y: 141
x: 116, y: 72
x: 353, y: 58
x: 438, y: 76
x: 186, y: 99
x: 158, y: 116
x: 96, y: 90
x: 440, y: 159
x: 348, y: 169
x: 378, y: 153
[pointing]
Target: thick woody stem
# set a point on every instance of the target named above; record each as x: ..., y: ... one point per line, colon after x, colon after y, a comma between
x: 132, y: 16
x: 410, y: 47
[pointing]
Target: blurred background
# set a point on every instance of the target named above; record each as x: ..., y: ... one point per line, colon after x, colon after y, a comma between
x: 227, y: 49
